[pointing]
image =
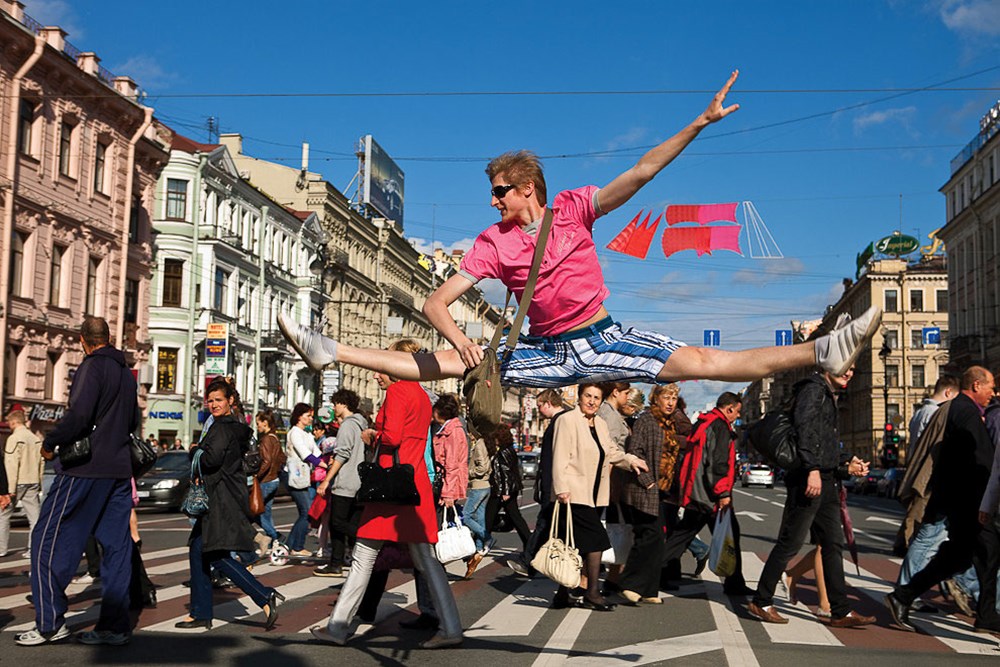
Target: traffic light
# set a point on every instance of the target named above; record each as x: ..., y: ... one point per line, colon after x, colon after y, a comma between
x: 890, y: 446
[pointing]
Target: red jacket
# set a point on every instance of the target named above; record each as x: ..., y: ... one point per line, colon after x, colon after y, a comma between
x: 403, y: 422
x: 709, y: 468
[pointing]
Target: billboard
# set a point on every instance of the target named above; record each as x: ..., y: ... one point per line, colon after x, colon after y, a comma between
x: 216, y: 349
x: 382, y: 184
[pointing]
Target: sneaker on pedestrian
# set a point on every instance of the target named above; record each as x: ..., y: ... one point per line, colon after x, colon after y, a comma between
x: 328, y: 571
x: 301, y: 553
x: 85, y: 579
x: 837, y: 351
x: 35, y: 638
x: 319, y: 554
x: 767, y: 614
x: 94, y: 637
x: 488, y: 546
x: 316, y: 350
x: 517, y: 564
x: 263, y: 544
x: 474, y: 562
x: 851, y: 620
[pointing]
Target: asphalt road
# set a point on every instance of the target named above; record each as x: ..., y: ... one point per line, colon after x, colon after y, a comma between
x: 506, y: 617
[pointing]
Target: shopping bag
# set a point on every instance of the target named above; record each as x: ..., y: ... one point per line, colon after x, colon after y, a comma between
x: 722, y: 552
x: 620, y: 535
x: 316, y: 510
x: 455, y: 540
x: 560, y: 561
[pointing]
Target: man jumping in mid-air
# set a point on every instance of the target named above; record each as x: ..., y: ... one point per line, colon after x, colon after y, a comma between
x: 572, y: 338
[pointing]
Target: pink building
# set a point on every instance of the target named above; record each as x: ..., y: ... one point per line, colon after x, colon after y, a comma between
x: 80, y: 161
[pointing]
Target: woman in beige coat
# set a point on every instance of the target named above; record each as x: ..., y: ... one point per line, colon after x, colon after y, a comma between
x: 582, y: 456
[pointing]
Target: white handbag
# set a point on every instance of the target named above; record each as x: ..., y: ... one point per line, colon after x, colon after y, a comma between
x: 621, y: 537
x: 454, y: 542
x: 560, y: 561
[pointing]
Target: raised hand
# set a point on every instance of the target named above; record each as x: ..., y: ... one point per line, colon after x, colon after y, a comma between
x: 716, y: 111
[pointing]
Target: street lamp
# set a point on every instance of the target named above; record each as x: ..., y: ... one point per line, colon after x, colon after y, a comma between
x: 884, y: 355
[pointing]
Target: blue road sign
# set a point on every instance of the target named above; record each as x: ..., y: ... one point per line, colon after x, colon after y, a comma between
x: 782, y: 337
x: 932, y: 335
x: 713, y: 337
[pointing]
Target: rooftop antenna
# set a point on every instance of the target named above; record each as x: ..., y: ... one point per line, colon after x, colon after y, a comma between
x: 213, y: 129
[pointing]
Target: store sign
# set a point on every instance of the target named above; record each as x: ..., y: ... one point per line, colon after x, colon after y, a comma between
x: 897, y: 244
x: 45, y: 412
x: 165, y: 414
x: 217, y: 349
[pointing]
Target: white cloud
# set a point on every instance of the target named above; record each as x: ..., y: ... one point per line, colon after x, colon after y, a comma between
x: 146, y: 71
x: 56, y: 13
x: 774, y: 270
x: 978, y: 17
x: 902, y: 115
x: 424, y: 245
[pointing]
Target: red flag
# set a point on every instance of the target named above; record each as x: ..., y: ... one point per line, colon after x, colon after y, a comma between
x: 701, y: 213
x: 635, y: 240
x: 701, y: 239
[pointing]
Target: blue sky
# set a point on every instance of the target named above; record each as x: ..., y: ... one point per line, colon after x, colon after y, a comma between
x: 826, y: 178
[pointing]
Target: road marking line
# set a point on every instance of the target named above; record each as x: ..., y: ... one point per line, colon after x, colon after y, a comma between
x: 872, y: 537
x: 654, y: 651
x: 557, y: 649
x: 735, y: 644
x: 517, y: 614
x: 955, y: 633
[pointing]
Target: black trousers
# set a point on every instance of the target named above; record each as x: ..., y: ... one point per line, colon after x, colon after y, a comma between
x: 493, y: 506
x: 688, y: 528
x: 540, y: 533
x: 955, y: 555
x: 642, y: 568
x: 345, y: 516
x: 986, y: 558
x: 822, y: 514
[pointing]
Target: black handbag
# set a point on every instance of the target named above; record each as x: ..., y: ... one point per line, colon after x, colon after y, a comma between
x: 76, y: 453
x: 143, y: 455
x: 775, y: 439
x: 394, y: 485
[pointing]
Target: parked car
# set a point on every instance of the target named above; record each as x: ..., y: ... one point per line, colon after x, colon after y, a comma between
x: 165, y: 485
x: 529, y: 464
x: 888, y: 485
x: 760, y: 475
x: 869, y: 484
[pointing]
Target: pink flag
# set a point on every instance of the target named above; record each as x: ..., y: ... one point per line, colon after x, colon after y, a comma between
x: 701, y: 239
x: 701, y: 213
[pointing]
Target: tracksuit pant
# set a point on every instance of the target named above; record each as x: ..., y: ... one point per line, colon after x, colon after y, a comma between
x: 74, y: 509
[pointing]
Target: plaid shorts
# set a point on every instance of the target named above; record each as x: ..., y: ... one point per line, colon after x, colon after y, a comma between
x: 602, y: 352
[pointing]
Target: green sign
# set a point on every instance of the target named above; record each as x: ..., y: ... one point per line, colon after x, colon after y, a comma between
x: 897, y: 244
x: 863, y: 258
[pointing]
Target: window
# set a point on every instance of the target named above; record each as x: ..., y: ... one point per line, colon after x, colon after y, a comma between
x: 66, y: 148
x: 55, y: 281
x: 221, y: 280
x: 176, y: 199
x: 16, y: 278
x: 917, y: 339
x: 133, y: 220
x: 892, y: 339
x: 51, y: 364
x: 25, y: 125
x: 892, y: 375
x: 93, y: 267
x: 942, y: 300
x: 166, y: 370
x: 173, y: 278
x: 131, y: 300
x: 10, y: 364
x: 891, y: 410
x: 891, y: 301
x: 916, y: 301
x: 100, y: 165
x: 918, y: 379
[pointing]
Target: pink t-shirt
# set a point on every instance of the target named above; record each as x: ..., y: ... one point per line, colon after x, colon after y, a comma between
x: 570, y: 288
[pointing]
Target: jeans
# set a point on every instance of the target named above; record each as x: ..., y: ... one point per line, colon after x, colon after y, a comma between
x: 340, y: 623
x: 201, y: 577
x: 297, y: 536
x: 268, y: 490
x: 474, y: 516
x: 698, y: 549
x: 954, y: 556
x: 925, y: 544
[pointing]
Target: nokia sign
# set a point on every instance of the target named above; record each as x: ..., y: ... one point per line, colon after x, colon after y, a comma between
x: 163, y: 414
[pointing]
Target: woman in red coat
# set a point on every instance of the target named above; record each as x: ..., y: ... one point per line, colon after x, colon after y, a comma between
x: 402, y: 423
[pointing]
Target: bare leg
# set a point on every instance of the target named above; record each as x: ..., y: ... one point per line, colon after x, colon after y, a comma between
x: 699, y: 363
x: 796, y: 572
x: 824, y: 601
x: 419, y: 367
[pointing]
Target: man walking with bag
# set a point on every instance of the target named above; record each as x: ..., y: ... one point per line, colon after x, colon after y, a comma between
x: 91, y: 495
x: 23, y: 463
x: 813, y: 501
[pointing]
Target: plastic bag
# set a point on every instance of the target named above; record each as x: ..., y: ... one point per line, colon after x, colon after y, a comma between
x: 722, y: 552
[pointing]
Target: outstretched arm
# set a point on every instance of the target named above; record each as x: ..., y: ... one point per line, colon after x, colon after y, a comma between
x: 436, y: 310
x: 622, y: 188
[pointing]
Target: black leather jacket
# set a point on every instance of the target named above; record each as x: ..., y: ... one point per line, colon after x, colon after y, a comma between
x: 814, y: 414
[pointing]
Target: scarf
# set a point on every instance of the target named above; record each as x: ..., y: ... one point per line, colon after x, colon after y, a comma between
x: 668, y: 455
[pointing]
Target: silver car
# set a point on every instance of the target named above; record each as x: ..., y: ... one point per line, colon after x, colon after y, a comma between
x: 759, y: 475
x: 529, y: 464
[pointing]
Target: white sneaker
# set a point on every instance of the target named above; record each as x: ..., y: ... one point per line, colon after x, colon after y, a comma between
x: 35, y: 638
x: 85, y: 579
x: 316, y: 350
x: 837, y: 351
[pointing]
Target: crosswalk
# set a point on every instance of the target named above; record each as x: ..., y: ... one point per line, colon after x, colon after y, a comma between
x: 497, y: 606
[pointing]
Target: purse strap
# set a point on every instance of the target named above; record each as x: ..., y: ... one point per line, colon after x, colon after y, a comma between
x: 555, y: 520
x: 570, y: 537
x: 196, y: 465
x: 529, y: 289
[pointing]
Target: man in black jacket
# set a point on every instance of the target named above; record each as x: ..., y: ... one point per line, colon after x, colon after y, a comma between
x: 813, y: 501
x: 93, y: 497
x: 961, y: 473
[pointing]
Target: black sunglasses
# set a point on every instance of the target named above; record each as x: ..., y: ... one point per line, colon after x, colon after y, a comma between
x: 500, y: 191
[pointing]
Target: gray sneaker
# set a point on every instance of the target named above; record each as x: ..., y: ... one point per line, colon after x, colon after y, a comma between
x: 837, y: 351
x: 316, y: 350
x: 35, y: 638
x: 94, y: 637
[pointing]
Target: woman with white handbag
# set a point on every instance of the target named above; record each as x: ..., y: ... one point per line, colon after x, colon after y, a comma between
x: 582, y: 456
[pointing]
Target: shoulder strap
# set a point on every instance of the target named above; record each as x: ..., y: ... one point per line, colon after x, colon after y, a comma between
x: 529, y: 288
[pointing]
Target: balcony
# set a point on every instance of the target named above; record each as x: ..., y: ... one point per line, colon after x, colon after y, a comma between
x: 272, y: 342
x: 399, y: 296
